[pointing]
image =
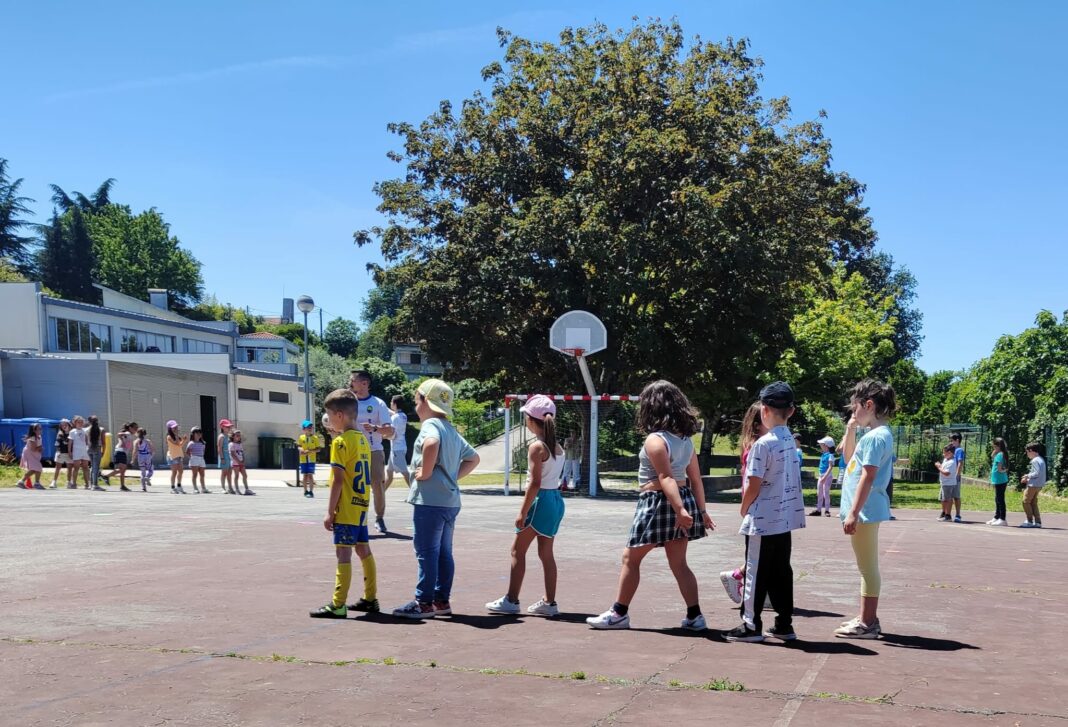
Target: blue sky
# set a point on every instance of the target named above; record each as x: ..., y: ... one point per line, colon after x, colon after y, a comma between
x: 258, y: 128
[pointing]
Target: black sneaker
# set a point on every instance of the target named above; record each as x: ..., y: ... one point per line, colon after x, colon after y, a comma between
x: 380, y: 524
x: 329, y: 611
x: 781, y: 634
x: 366, y: 606
x: 744, y: 634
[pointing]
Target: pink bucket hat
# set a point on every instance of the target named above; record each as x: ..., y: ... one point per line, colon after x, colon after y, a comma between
x: 538, y: 406
x: 171, y: 424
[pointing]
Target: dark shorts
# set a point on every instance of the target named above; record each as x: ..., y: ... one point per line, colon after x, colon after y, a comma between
x: 307, y: 468
x: 119, y: 457
x: 350, y: 534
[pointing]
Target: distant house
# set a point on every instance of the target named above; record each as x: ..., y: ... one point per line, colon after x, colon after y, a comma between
x: 414, y: 362
x: 131, y: 360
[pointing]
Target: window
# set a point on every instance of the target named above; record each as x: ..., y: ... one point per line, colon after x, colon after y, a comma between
x: 193, y: 345
x: 249, y: 394
x: 78, y: 336
x: 415, y: 358
x: 278, y: 397
x: 134, y: 341
x: 263, y: 355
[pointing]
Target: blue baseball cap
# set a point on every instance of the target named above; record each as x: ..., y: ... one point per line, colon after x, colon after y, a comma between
x: 305, y: 424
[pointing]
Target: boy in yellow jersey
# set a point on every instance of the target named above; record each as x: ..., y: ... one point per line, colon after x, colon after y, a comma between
x: 346, y: 515
x: 309, y: 443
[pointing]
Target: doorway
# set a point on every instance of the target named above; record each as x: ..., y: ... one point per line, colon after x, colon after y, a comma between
x: 208, y: 423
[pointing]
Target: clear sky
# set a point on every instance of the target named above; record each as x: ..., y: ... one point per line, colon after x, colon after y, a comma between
x: 258, y: 128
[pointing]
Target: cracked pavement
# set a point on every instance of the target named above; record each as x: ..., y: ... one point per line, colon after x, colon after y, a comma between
x: 132, y: 609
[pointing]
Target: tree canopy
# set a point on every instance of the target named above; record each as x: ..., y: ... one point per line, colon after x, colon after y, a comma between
x: 629, y: 174
x: 341, y: 337
x: 13, y: 222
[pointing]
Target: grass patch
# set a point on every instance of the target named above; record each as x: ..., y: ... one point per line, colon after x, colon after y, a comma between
x: 389, y: 661
x: 287, y: 659
x: 723, y: 685
x: 10, y: 475
x: 578, y: 675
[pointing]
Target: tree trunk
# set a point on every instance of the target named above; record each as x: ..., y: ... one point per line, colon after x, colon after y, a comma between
x: 708, y: 435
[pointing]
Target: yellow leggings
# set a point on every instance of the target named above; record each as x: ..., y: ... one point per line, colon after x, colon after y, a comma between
x: 866, y: 549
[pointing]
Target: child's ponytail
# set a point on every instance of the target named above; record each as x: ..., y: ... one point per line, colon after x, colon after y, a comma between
x: 548, y: 433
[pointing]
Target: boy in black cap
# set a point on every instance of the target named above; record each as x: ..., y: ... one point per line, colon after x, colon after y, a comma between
x: 772, y: 507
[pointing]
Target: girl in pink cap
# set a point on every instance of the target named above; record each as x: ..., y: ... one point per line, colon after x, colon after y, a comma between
x: 541, y: 512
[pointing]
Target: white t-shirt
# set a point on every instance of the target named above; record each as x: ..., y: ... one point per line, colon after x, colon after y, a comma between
x: 949, y: 464
x: 375, y: 412
x: 79, y: 443
x: 779, y: 506
x: 400, y: 426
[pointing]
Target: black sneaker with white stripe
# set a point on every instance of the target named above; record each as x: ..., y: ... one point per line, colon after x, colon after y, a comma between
x: 744, y: 634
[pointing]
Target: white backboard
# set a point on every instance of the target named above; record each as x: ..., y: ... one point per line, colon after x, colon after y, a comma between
x: 578, y: 329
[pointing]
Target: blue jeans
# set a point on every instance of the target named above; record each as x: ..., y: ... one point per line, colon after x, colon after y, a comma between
x: 433, y: 551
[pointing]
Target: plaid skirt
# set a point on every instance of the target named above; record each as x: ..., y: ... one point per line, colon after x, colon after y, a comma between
x: 654, y: 520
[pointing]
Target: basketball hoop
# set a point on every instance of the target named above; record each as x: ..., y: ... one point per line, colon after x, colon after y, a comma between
x: 576, y: 352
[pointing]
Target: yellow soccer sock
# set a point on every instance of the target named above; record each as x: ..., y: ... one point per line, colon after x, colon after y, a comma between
x: 342, y: 581
x: 370, y: 578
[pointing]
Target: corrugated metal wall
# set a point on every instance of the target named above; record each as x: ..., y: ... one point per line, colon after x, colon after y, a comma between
x: 150, y: 395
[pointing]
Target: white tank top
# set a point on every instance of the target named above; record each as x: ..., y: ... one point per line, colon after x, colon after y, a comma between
x: 551, y: 469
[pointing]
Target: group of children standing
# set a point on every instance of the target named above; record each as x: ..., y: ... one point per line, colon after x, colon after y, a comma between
x: 671, y: 509
x: 79, y: 449
x: 951, y: 467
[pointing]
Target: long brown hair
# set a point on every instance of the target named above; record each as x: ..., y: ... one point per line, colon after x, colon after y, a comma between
x: 662, y: 407
x: 751, y: 425
x: 548, y: 432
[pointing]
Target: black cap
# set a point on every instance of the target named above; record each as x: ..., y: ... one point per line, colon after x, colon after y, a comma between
x: 777, y: 394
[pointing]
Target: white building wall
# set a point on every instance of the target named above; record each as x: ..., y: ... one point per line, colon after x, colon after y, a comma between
x: 265, y: 418
x: 21, y: 329
x: 210, y: 363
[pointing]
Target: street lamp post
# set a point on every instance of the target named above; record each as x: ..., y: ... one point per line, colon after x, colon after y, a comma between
x: 306, y: 306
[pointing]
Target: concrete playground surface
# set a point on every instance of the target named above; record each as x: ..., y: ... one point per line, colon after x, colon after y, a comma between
x: 145, y: 609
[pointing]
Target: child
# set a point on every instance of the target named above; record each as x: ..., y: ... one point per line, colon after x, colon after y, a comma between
x: 572, y: 471
x: 398, y: 452
x: 671, y: 506
x: 309, y: 443
x: 826, y: 474
x: 958, y: 457
x: 63, y: 455
x: 1035, y: 480
x: 97, y: 439
x: 800, y: 454
x: 541, y: 511
x: 222, y: 446
x: 145, y: 453
x: 441, y: 458
x: 948, y: 490
x: 999, y: 480
x: 195, y: 450
x: 772, y: 507
x: 79, y: 451
x: 865, y: 503
x: 752, y: 430
x: 237, y: 463
x: 346, y: 513
x: 175, y: 455
x: 120, y: 457
x: 31, y: 458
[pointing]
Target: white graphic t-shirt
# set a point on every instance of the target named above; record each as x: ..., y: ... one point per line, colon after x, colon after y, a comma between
x: 375, y: 412
x: 780, y: 505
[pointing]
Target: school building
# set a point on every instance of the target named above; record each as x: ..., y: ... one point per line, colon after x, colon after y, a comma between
x: 131, y: 360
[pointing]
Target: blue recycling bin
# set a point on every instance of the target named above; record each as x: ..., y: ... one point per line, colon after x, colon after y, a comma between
x: 17, y: 429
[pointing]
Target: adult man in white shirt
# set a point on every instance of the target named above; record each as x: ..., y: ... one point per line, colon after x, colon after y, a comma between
x: 373, y: 418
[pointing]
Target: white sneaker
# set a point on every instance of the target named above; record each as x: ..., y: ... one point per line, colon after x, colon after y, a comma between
x: 543, y: 608
x: 992, y: 521
x: 609, y: 620
x: 503, y: 605
x: 696, y: 624
x: 1002, y: 522
x: 1026, y: 525
x: 732, y: 585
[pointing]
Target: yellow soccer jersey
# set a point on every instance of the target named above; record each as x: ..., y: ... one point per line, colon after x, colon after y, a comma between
x: 351, y: 453
x: 309, y: 441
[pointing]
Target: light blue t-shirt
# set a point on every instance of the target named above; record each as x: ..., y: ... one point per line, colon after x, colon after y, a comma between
x: 826, y: 462
x: 441, y: 489
x: 875, y: 449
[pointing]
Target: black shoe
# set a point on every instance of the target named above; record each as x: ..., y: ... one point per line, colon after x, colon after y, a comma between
x: 743, y: 633
x: 107, y: 480
x: 328, y: 611
x: 311, y: 494
x: 380, y: 524
x: 781, y: 634
x: 367, y: 606
x: 124, y: 488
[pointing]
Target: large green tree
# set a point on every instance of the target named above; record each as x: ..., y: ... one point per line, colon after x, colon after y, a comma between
x: 341, y: 337
x: 629, y: 173
x: 65, y: 260
x: 13, y: 222
x: 137, y: 252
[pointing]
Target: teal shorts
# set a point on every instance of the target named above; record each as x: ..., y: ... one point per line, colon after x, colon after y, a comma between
x: 545, y: 513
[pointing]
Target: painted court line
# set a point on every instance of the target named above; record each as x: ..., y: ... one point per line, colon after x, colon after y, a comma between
x: 789, y: 709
